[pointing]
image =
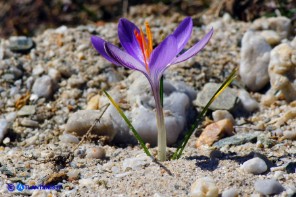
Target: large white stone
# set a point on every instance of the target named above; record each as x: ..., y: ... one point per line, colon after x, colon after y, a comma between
x: 255, y: 53
x: 281, y: 70
x: 281, y: 25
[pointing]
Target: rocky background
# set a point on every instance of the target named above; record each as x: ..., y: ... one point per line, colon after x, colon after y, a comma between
x: 51, y: 94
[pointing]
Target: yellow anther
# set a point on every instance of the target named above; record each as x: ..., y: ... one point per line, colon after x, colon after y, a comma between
x: 149, y: 37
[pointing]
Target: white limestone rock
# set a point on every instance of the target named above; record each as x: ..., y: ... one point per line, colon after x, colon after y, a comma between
x: 268, y: 187
x: 254, y: 166
x: 43, y: 87
x: 204, y: 187
x: 255, y: 53
x: 232, y: 192
x: 281, y: 70
x: 281, y: 25
x: 222, y: 114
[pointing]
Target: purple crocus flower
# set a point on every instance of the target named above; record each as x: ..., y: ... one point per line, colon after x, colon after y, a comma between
x: 138, y: 54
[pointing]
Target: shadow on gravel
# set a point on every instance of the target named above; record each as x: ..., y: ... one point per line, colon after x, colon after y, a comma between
x: 211, y: 163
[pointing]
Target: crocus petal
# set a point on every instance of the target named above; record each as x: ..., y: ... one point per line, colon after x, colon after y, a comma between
x: 98, y: 44
x: 128, y: 39
x: 183, y: 33
x: 194, y: 49
x: 162, y: 56
x: 124, y: 58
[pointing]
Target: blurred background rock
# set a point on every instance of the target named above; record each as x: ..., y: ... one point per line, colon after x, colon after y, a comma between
x: 28, y: 17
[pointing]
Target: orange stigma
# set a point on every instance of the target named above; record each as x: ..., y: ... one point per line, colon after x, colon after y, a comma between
x: 145, y: 44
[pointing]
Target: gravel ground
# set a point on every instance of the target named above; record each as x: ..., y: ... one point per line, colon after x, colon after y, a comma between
x: 33, y: 153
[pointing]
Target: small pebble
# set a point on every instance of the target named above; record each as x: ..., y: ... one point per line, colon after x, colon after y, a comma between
x: 204, y: 187
x: 54, y: 74
x: 6, y: 140
x: 254, y: 166
x: 82, y: 47
x: 38, y: 70
x: 278, y: 174
x: 73, y: 174
x: 20, y: 43
x: 61, y: 30
x: 80, y: 152
x: 214, y: 132
x: 290, y: 134
x: 271, y: 37
x: 76, y: 81
x: 69, y: 138
x: 135, y: 163
x: 232, y: 192
x: 268, y: 187
x: 29, y: 123
x: 27, y: 110
x: 86, y: 182
x: 237, y: 139
x: 93, y: 102
x: 32, y: 140
x: 43, y: 87
x: 222, y: 114
x: 95, y: 153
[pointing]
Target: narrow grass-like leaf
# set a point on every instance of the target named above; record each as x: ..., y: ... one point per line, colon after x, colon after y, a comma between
x: 200, y: 117
x: 161, y: 90
x: 136, y: 134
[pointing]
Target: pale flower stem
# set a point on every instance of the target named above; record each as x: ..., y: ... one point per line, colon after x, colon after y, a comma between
x: 161, y: 138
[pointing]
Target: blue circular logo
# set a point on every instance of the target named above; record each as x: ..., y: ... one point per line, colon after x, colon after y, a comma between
x: 20, y: 187
x: 10, y: 187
